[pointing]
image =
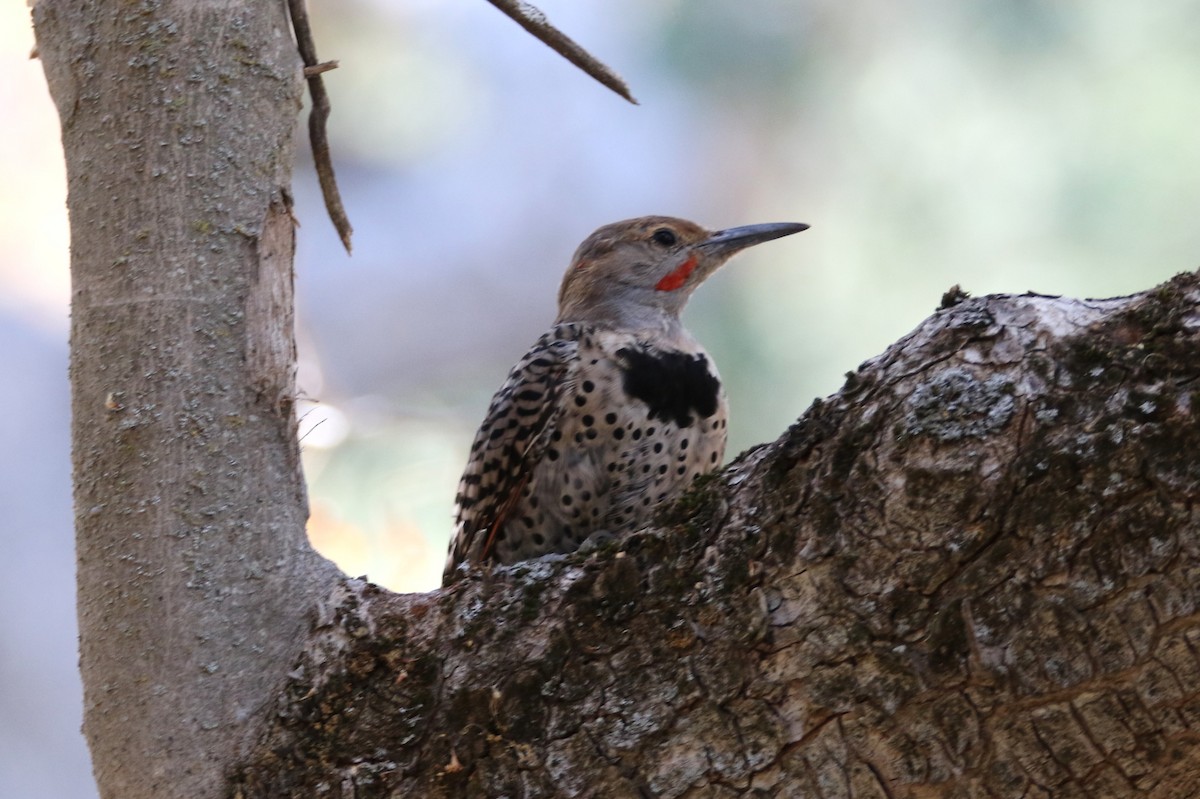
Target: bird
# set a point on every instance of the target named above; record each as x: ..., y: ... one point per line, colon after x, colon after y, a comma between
x: 612, y: 412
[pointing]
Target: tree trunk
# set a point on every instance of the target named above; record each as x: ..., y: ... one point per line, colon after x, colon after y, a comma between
x: 973, y: 572
x: 194, y: 570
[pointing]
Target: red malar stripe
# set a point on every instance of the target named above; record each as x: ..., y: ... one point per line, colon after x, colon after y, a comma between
x: 678, y: 276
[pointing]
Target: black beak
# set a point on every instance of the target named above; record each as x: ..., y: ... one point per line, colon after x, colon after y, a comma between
x: 727, y: 242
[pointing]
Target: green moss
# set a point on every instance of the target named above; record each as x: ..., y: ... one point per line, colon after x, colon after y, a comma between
x: 850, y: 446
x: 818, y: 424
x: 953, y: 296
x: 947, y: 640
x: 531, y: 600
x: 603, y: 549
x: 694, y: 510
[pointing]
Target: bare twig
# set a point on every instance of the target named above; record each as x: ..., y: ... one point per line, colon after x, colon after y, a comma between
x: 324, y: 66
x: 316, y: 120
x: 533, y: 20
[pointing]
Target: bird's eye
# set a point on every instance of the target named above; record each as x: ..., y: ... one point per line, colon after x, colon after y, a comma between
x: 664, y: 236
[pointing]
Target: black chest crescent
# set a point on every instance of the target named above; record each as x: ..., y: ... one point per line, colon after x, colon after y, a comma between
x: 674, y: 385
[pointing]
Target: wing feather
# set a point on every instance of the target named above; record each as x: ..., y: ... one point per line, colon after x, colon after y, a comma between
x: 510, y: 443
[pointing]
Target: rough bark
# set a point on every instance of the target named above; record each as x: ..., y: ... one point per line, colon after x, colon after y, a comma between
x: 973, y: 572
x: 193, y: 567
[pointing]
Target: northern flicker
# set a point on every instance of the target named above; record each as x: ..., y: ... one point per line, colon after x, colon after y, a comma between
x: 613, y: 411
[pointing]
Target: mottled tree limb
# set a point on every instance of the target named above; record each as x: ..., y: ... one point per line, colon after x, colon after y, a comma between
x: 972, y: 572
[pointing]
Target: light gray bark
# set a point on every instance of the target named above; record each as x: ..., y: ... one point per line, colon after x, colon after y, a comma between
x: 194, y: 570
x: 973, y: 572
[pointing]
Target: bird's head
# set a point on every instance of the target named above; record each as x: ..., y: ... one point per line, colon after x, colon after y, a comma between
x: 641, y: 272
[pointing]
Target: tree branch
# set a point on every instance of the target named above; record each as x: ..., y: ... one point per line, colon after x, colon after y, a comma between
x: 317, y: 118
x: 535, y: 22
x: 971, y: 572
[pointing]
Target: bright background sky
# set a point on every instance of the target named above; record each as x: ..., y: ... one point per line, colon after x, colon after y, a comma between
x: 1037, y: 145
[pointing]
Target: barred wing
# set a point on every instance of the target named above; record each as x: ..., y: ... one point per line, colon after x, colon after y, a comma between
x: 510, y: 443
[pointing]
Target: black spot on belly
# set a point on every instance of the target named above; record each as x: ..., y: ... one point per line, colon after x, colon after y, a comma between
x: 674, y: 385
